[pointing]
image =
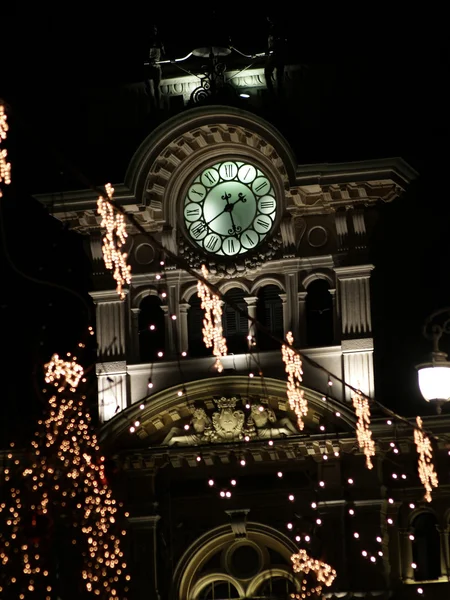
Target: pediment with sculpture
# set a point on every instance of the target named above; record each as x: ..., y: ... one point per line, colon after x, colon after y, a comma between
x: 232, y: 420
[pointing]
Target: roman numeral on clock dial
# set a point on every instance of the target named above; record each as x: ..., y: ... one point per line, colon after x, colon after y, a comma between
x: 249, y: 239
x: 198, y: 230
x: 262, y: 224
x: 192, y: 212
x: 211, y: 243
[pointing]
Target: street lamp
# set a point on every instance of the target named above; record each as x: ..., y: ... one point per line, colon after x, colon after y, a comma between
x: 434, y: 376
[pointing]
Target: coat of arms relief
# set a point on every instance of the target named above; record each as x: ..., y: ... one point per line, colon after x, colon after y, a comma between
x: 229, y: 423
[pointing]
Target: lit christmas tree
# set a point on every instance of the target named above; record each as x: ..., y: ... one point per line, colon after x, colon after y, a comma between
x: 61, y: 530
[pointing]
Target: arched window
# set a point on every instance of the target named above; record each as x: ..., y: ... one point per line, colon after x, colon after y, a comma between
x: 426, y: 547
x: 235, y: 324
x: 196, y: 344
x: 151, y: 328
x: 219, y: 590
x: 319, y: 314
x: 269, y: 312
x: 276, y: 588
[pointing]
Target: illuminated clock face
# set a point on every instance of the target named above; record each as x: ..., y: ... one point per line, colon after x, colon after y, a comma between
x: 230, y: 208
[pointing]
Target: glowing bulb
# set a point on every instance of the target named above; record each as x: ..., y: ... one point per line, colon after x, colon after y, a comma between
x: 338, y: 414
x: 180, y: 393
x: 313, y: 504
x: 289, y: 525
x: 242, y: 462
x: 379, y: 539
x: 211, y: 482
x: 291, y: 497
x: 412, y: 506
x: 298, y: 538
x: 391, y: 500
x: 158, y: 276
x: 160, y: 354
x: 411, y: 537
x: 390, y: 521
x: 351, y: 511
x: 137, y: 423
x: 251, y: 375
x: 132, y: 429
x: 141, y: 406
x: 222, y: 494
x: 233, y: 482
x: 322, y: 428
x: 152, y: 327
x: 356, y: 535
x: 336, y: 454
x: 389, y: 422
x: 322, y: 483
x: 174, y: 317
x: 307, y: 538
x: 198, y: 458
x: 150, y: 384
x: 246, y: 438
x: 280, y: 474
x: 364, y: 552
x: 228, y: 494
x: 270, y: 442
x: 319, y: 521
x: 373, y: 559
x: 184, y: 353
x: 186, y: 427
x: 420, y: 590
x: 350, y: 481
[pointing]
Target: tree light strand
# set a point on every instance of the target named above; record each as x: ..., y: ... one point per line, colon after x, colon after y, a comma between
x: 303, y: 563
x: 66, y: 477
x: 212, y: 323
x: 427, y: 474
x: 5, y: 167
x: 293, y: 368
x: 363, y: 433
x: 113, y: 241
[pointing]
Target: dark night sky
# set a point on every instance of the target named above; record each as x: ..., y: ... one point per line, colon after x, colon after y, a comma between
x: 386, y: 95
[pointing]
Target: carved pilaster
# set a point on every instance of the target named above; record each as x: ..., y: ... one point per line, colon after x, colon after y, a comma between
x: 144, y: 550
x: 110, y: 330
x: 357, y: 357
x: 112, y: 389
x: 354, y: 300
x: 252, y: 302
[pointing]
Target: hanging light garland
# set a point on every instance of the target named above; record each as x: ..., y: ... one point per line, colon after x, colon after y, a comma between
x: 113, y: 241
x: 427, y: 474
x: 293, y: 367
x: 5, y: 167
x: 212, y: 323
x: 363, y: 433
x: 303, y: 563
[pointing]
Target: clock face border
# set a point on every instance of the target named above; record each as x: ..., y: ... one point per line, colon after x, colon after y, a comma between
x: 230, y: 208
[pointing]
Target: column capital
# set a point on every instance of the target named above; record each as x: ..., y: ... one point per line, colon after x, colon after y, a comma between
x: 353, y: 271
x: 251, y: 300
x: 135, y: 311
x: 184, y: 306
x: 283, y: 297
x: 302, y: 296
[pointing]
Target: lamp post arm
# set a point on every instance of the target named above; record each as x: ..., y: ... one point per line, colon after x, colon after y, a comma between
x: 434, y: 331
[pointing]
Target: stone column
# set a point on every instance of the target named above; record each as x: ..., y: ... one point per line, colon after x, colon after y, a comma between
x: 252, y: 302
x: 144, y: 554
x: 183, y: 340
x: 286, y: 315
x: 134, y: 335
x: 291, y: 280
x: 301, y: 302
x: 354, y: 315
x: 336, y: 331
x: 169, y: 346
